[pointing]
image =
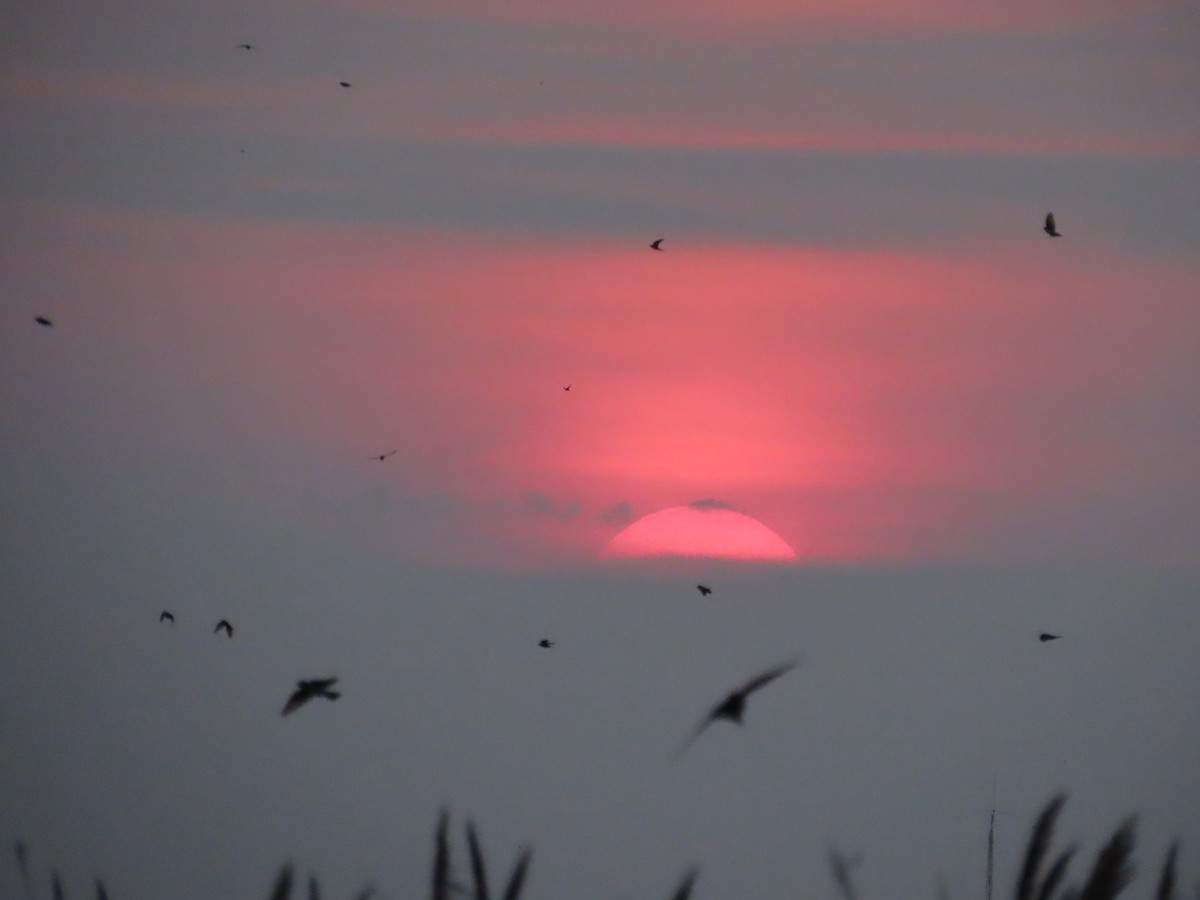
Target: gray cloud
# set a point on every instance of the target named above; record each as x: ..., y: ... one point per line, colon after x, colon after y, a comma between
x: 539, y: 504
x: 621, y: 514
x: 712, y: 503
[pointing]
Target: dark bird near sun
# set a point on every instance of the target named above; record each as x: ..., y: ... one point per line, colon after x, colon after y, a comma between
x: 546, y: 642
x: 43, y: 321
x: 382, y: 456
x: 733, y: 707
x: 344, y: 83
x: 246, y: 46
x: 307, y: 690
x: 656, y: 244
x: 224, y: 623
x: 567, y: 388
x: 1050, y: 228
x: 704, y: 590
x: 1044, y: 636
x: 165, y: 616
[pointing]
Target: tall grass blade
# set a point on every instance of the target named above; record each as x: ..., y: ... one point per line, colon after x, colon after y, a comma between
x: 314, y: 889
x: 22, y: 854
x: 1039, y: 843
x: 366, y: 893
x: 441, y: 859
x: 1112, y: 871
x: 283, y: 884
x: 1166, y: 881
x: 56, y: 888
x: 516, y: 881
x: 684, y: 891
x: 841, y: 867
x: 478, y: 865
x: 1054, y: 877
x: 101, y: 893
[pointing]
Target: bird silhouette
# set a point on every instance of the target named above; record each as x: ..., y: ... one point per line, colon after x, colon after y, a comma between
x: 656, y: 244
x: 345, y: 84
x: 382, y: 456
x: 567, y: 388
x: 546, y: 643
x: 43, y: 321
x: 704, y: 590
x: 224, y: 623
x: 733, y: 707
x: 1050, y: 228
x: 166, y: 616
x: 1045, y: 636
x: 245, y: 46
x: 307, y: 690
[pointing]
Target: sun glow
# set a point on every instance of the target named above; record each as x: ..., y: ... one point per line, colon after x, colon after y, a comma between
x: 705, y: 529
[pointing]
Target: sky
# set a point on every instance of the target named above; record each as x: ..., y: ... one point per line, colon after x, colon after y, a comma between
x: 857, y: 334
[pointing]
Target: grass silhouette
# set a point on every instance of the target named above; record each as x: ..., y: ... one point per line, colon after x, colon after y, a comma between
x: 1111, y: 873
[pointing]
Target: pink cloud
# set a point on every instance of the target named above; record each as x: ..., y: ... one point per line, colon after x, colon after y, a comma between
x: 165, y: 91
x: 718, y: 18
x: 676, y: 133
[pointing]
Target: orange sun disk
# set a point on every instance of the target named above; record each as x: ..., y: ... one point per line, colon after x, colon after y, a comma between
x: 707, y: 531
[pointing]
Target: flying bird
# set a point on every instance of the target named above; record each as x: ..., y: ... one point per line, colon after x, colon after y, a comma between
x: 224, y: 623
x: 1050, y: 228
x: 567, y: 388
x: 307, y: 690
x: 344, y: 83
x: 43, y: 321
x: 704, y: 590
x: 656, y: 244
x: 166, y: 616
x: 1045, y: 636
x: 246, y: 46
x: 382, y: 456
x: 546, y: 643
x: 733, y: 707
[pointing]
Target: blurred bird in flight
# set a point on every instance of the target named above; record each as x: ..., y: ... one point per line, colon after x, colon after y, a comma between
x: 733, y: 707
x: 307, y: 690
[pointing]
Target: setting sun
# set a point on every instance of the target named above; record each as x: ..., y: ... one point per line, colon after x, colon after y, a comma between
x: 706, y: 528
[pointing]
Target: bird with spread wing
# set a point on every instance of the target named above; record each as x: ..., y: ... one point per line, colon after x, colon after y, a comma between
x: 733, y: 707
x: 307, y: 690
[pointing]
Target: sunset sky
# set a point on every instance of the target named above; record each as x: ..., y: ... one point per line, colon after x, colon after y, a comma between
x: 856, y: 333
